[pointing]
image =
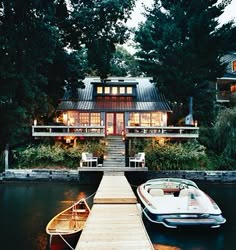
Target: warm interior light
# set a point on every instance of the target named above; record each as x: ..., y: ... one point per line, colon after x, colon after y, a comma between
x: 35, y: 122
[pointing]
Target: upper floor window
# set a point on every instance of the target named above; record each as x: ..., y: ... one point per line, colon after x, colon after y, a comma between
x: 114, y: 90
x: 107, y: 90
x: 122, y: 90
x: 234, y: 65
x: 129, y: 90
x: 99, y: 90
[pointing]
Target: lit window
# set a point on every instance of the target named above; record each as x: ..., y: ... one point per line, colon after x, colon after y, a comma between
x: 145, y: 119
x: 234, y: 65
x: 99, y: 90
x: 107, y: 90
x: 233, y: 88
x: 134, y: 119
x: 95, y: 119
x: 156, y: 119
x: 122, y: 90
x: 84, y: 119
x: 114, y: 90
x: 129, y: 90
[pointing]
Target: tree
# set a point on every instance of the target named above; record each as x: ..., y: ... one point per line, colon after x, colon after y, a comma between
x: 225, y: 133
x: 34, y: 66
x: 124, y: 64
x: 180, y: 45
x: 99, y: 25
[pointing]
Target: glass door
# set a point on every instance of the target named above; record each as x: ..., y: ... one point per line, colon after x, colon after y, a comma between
x: 114, y: 123
x: 110, y: 123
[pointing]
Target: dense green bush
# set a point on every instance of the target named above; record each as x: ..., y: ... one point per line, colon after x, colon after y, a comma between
x: 220, y: 140
x: 181, y: 156
x: 45, y: 155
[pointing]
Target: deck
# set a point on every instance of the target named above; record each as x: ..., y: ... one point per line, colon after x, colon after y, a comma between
x: 115, y: 221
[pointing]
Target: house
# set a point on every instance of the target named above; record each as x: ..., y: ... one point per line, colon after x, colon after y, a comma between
x: 127, y: 107
x: 226, y: 85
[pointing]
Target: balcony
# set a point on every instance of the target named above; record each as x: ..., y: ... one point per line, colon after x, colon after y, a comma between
x: 162, y: 132
x: 78, y: 131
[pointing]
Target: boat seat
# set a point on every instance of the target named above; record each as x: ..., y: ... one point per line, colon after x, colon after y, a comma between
x: 156, y: 192
x: 184, y: 193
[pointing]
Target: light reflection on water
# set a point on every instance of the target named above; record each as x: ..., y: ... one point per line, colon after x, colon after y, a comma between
x: 26, y: 208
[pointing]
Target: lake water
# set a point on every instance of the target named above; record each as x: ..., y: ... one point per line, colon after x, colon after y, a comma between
x: 26, y: 208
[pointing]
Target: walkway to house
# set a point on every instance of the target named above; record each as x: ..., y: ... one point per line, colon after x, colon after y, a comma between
x: 115, y: 158
x: 115, y: 221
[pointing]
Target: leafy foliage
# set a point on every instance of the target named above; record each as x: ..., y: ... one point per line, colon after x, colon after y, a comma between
x: 124, y: 64
x: 180, y: 44
x: 45, y: 155
x: 225, y: 133
x: 99, y: 25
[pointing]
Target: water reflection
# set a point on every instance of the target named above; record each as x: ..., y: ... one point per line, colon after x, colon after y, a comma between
x: 26, y: 208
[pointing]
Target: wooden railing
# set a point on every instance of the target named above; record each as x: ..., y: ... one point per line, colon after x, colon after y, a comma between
x: 162, y: 132
x: 130, y: 131
x: 86, y: 131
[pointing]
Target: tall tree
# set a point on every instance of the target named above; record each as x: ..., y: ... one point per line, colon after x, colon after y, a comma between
x: 124, y: 64
x: 180, y: 45
x: 99, y: 25
x: 34, y: 66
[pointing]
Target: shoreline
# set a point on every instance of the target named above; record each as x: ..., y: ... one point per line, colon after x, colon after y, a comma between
x: 95, y: 176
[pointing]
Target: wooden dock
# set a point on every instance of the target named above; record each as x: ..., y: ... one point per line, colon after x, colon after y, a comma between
x: 115, y: 221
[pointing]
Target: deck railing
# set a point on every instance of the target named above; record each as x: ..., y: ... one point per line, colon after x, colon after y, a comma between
x: 86, y: 131
x: 130, y: 131
x: 162, y: 132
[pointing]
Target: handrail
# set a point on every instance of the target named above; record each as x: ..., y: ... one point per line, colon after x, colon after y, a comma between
x: 162, y: 131
x: 54, y: 130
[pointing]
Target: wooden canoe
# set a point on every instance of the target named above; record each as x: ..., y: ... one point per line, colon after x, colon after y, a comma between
x: 66, y: 226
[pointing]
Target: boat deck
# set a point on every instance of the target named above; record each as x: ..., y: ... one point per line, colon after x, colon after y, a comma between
x: 115, y: 221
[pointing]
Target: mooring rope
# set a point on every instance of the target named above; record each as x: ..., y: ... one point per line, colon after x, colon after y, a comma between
x: 66, y: 242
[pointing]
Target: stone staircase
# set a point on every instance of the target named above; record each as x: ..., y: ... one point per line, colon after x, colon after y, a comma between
x: 115, y: 157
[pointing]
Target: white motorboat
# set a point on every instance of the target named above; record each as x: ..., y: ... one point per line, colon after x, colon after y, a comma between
x: 176, y: 202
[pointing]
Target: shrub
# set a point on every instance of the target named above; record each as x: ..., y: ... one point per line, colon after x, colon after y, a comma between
x: 45, y: 155
x: 179, y: 156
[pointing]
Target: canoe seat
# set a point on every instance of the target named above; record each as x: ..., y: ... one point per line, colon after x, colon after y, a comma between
x: 156, y: 192
x: 79, y: 210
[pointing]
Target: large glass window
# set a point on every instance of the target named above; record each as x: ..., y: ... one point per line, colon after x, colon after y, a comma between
x: 156, y: 119
x: 134, y: 119
x: 84, y: 119
x: 145, y: 119
x: 73, y: 118
x: 95, y: 119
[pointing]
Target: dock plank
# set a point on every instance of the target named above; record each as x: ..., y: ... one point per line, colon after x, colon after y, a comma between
x: 114, y: 226
x: 114, y: 189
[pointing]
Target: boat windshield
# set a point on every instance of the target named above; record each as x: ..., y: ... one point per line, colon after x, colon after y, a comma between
x: 174, y: 181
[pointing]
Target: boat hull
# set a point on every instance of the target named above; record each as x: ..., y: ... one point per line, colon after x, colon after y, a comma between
x: 58, y: 242
x: 164, y: 202
x: 184, y: 220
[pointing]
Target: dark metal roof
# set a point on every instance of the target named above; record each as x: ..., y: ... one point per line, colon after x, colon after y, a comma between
x: 147, y: 99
